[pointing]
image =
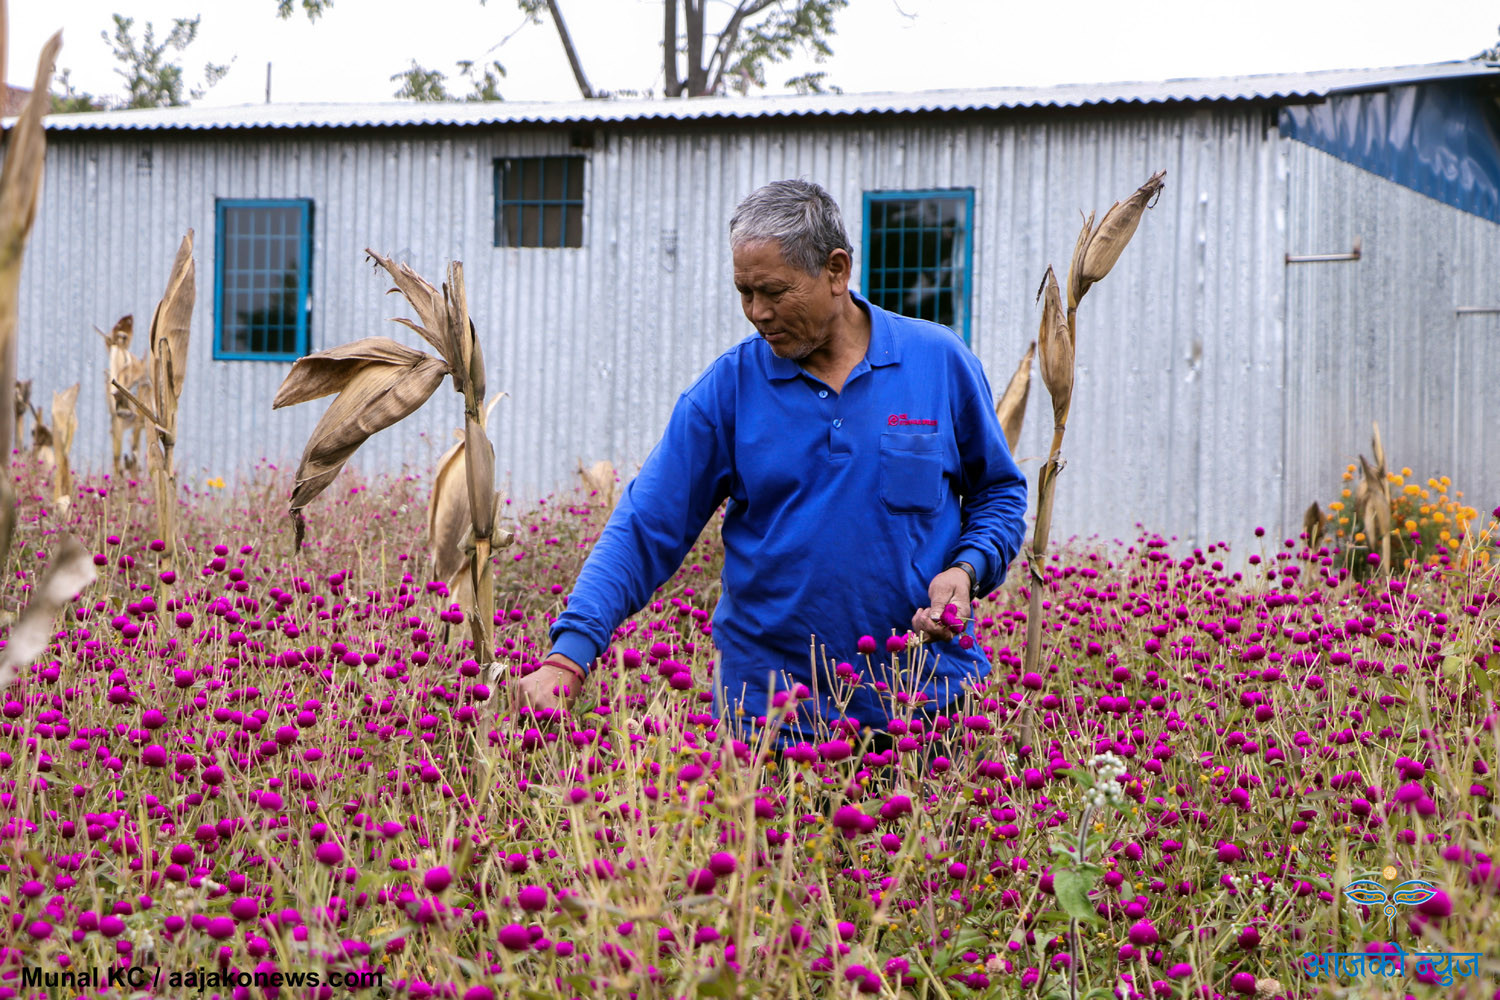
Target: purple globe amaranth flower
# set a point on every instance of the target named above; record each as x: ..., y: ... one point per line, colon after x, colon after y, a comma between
x: 219, y: 928
x: 1437, y: 906
x: 895, y: 644
x: 245, y: 908
x: 532, y: 898
x: 1181, y: 970
x: 1243, y: 982
x: 514, y: 937
x: 39, y: 930
x: 479, y: 993
x: 1230, y: 853
x: 722, y: 864
x: 435, y: 880
x: 867, y: 644
x: 329, y: 853
x: 1249, y: 937
x: 701, y: 880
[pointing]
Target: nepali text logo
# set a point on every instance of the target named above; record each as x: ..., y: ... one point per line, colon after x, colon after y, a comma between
x: 902, y: 420
x: 1372, y: 893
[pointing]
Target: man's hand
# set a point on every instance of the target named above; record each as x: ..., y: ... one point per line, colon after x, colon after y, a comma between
x: 550, y: 685
x: 951, y: 586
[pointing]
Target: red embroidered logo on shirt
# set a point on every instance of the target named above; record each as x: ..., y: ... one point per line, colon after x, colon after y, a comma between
x: 902, y: 420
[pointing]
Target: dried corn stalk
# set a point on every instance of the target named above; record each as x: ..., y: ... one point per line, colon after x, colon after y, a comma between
x: 131, y: 372
x: 20, y: 180
x: 64, y: 425
x: 23, y: 407
x: 1373, y: 499
x: 601, y: 481
x: 67, y: 574
x: 167, y: 355
x: 1313, y: 522
x: 1011, y: 410
x: 1094, y: 254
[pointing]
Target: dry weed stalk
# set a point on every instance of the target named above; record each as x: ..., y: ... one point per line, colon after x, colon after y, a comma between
x: 379, y: 383
x: 168, y: 356
x: 600, y: 479
x: 1313, y: 522
x: 131, y: 372
x: 1096, y: 251
x: 20, y: 180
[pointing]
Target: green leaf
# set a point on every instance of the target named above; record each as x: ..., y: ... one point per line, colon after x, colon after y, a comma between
x: 1072, y: 889
x: 1080, y: 776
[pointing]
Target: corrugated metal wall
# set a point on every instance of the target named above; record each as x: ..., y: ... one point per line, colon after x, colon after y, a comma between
x: 1383, y: 338
x: 1178, y: 416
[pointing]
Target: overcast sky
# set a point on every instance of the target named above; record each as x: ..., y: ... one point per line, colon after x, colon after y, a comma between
x: 881, y: 45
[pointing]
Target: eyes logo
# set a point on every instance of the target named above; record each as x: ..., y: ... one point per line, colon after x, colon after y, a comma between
x: 1372, y: 893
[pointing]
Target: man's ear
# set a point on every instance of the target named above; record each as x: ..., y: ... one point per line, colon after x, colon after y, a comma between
x: 839, y: 268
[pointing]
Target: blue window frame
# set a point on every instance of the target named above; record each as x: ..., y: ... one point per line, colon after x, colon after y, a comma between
x: 539, y: 201
x: 919, y: 254
x: 262, y: 278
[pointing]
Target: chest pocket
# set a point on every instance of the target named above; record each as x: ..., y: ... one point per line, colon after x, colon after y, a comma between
x: 911, y: 472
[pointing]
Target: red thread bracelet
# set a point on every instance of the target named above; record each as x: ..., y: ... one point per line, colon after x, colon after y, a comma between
x: 577, y: 672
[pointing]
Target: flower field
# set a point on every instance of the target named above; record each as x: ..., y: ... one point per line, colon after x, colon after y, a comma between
x: 293, y: 764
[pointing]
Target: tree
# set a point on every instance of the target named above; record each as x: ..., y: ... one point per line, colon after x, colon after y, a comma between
x: 1491, y: 54
x: 421, y: 84
x: 698, y: 59
x: 152, y: 78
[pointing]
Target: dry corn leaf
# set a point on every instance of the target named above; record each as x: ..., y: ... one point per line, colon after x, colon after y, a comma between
x: 374, y: 395
x: 461, y: 332
x: 66, y: 575
x: 1115, y: 230
x: 64, y: 425
x: 431, y: 307
x: 1011, y: 410
x: 170, y: 325
x: 1055, y: 346
x: 325, y: 372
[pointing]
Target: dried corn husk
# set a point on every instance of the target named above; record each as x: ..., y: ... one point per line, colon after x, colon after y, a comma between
x: 600, y: 480
x: 20, y: 180
x: 169, y: 334
x: 1376, y: 508
x: 1055, y: 341
x: 379, y: 382
x: 1011, y: 410
x: 64, y: 425
x: 1102, y: 246
x: 1076, y: 288
x: 448, y: 517
x: 69, y: 572
x: 432, y: 313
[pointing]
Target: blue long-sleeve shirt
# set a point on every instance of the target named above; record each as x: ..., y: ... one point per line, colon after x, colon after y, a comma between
x: 842, y: 508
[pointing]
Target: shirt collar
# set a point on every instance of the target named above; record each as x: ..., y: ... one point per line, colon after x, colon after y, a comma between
x: 884, y: 349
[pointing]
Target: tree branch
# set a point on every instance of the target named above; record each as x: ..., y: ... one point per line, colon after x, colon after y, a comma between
x: 567, y: 41
x: 672, y: 85
x: 729, y: 37
x: 697, y: 74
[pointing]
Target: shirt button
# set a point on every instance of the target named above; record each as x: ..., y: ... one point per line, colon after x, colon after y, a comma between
x: 839, y: 422
x: 822, y: 393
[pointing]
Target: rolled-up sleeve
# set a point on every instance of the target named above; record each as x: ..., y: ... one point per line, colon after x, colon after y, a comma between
x: 659, y: 516
x: 991, y: 485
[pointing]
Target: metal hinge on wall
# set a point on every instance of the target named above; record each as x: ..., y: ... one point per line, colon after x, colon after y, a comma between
x: 1307, y: 258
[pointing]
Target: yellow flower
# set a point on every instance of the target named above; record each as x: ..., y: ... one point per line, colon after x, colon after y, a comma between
x: 217, y: 482
x: 1336, y: 505
x: 1359, y: 536
x: 1412, y: 489
x: 1395, y: 479
x: 1410, y: 525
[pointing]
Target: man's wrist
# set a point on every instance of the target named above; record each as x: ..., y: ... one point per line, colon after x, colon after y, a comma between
x: 973, y: 578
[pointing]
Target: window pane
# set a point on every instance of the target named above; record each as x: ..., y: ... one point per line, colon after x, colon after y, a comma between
x: 575, y: 226
x: 552, y: 177
x: 531, y: 181
x: 262, y: 273
x: 575, y: 180
x: 539, y: 201
x: 915, y: 257
x: 512, y: 226
x: 552, y: 226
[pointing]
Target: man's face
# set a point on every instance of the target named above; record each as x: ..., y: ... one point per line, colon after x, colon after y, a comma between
x: 793, y: 310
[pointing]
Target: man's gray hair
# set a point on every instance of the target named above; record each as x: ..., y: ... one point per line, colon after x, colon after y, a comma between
x: 798, y: 215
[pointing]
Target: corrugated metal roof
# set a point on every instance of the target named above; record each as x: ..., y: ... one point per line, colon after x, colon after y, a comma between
x: 1280, y: 86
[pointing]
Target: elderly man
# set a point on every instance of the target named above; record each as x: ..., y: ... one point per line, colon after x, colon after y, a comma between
x: 868, y: 482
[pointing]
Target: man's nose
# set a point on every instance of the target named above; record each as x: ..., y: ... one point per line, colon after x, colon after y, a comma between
x: 760, y: 309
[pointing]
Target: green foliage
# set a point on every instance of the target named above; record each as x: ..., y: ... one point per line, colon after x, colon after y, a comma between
x: 153, y: 79
x: 804, y: 26
x: 312, y: 8
x: 421, y: 84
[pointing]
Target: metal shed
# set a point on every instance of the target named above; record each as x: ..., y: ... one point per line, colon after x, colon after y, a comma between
x: 1222, y: 381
